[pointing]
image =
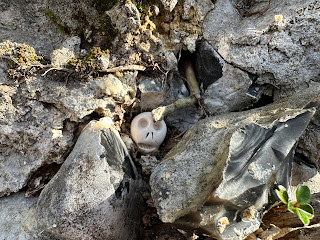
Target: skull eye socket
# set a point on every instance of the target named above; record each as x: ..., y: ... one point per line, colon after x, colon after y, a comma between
x: 157, y: 126
x: 143, y: 123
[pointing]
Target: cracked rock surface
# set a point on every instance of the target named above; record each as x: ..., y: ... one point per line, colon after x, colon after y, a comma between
x: 282, y: 51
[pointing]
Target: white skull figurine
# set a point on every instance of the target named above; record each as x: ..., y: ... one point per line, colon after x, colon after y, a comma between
x: 147, y: 134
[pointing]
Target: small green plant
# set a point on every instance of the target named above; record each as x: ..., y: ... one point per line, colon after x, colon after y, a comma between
x: 302, y: 207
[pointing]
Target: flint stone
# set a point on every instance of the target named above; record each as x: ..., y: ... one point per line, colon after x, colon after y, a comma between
x: 208, y: 65
x: 229, y: 93
x: 227, y: 166
x: 95, y: 194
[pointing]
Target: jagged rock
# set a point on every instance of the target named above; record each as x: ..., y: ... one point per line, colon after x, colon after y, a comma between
x: 96, y: 192
x: 225, y: 167
x: 17, y: 218
x: 229, y: 93
x: 38, y: 120
x: 208, y: 65
x: 309, y: 143
x: 146, y: 47
x: 281, y: 49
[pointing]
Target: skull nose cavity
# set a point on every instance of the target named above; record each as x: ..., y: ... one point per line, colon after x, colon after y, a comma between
x: 145, y: 132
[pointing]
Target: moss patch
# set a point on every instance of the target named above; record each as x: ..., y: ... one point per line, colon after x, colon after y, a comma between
x: 57, y: 21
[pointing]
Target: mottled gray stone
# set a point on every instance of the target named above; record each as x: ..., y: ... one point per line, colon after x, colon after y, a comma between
x: 227, y: 165
x: 69, y: 49
x: 282, y: 50
x: 17, y: 218
x: 96, y: 192
x: 304, y: 175
x: 39, y: 117
x: 31, y: 134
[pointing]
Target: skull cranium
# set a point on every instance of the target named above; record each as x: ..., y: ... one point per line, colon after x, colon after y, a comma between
x: 147, y: 134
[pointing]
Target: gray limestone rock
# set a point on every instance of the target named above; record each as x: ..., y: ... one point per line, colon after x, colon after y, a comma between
x: 225, y: 167
x: 280, y: 46
x: 96, y: 193
x: 17, y: 218
x: 26, y: 22
x: 69, y: 49
x: 31, y: 134
x: 38, y: 119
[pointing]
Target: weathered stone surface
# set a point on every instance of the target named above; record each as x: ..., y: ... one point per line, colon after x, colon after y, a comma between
x: 38, y: 118
x: 25, y: 22
x: 31, y: 134
x: 169, y: 5
x: 144, y: 48
x: 17, y: 218
x: 69, y: 49
x: 225, y: 166
x: 229, y: 93
x: 304, y: 175
x: 310, y: 141
x: 96, y: 193
x: 281, y: 50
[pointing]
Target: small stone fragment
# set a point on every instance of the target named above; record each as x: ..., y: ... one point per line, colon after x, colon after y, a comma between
x: 169, y: 4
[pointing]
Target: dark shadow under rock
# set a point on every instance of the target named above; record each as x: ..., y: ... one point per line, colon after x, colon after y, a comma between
x: 219, y: 180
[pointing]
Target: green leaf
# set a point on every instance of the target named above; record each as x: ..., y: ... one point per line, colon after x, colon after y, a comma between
x: 307, y: 209
x: 291, y: 208
x: 303, y: 195
x: 303, y: 217
x: 282, y: 194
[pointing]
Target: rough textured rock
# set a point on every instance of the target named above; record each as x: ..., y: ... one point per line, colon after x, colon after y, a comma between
x: 282, y: 50
x: 183, y: 27
x: 31, y: 133
x: 17, y: 218
x: 24, y: 22
x: 144, y: 48
x: 169, y: 5
x: 39, y: 117
x: 230, y: 173
x: 229, y: 93
x: 96, y: 193
x: 304, y: 175
x: 69, y: 49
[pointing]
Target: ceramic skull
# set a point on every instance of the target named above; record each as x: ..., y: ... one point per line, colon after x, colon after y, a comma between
x: 147, y: 134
